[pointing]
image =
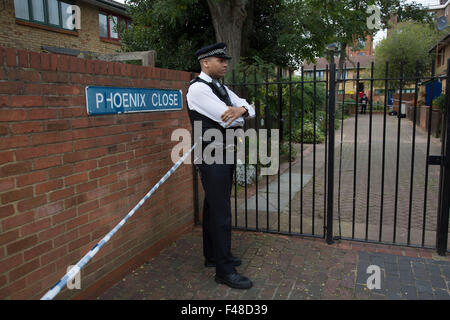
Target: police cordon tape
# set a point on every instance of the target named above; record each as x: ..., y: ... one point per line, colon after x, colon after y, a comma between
x: 80, y: 264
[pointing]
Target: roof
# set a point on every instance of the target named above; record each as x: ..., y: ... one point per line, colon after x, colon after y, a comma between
x: 110, y: 5
x: 444, y: 40
x: 350, y: 62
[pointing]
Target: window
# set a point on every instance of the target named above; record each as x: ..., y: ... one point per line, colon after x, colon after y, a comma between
x: 440, y: 58
x: 361, y: 53
x: 107, y: 25
x: 48, y: 12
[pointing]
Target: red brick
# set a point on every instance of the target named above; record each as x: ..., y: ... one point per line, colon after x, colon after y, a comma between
x: 38, y: 275
x: 41, y: 114
x: 6, y: 211
x: 60, y: 171
x: 78, y: 221
x: 27, y: 127
x: 7, y: 156
x: 31, y: 178
x: 48, y: 186
x: 64, y: 216
x: 98, y: 173
x: 31, y: 152
x: 85, y: 187
x: 86, y: 207
x: 23, y: 59
x: 17, y: 220
x: 65, y: 237
x: 24, y: 270
x: 21, y: 244
x: 85, y: 165
x: 56, y: 101
x: 44, y: 163
x: 107, y: 161
x: 108, y: 180
x: 8, y: 237
x: 11, y: 262
x: 81, y: 65
x: 37, y: 251
x: 73, y: 112
x: 79, y: 242
x: 51, y: 137
x: 75, y: 179
x: 15, y: 168
x: 58, y: 125
x: 5, y: 102
x: 53, y: 255
x: 11, y: 88
x: 60, y: 148
x: 14, y: 142
x: 17, y: 194
x: 74, y: 157
x: 61, y: 194
x: 49, y: 209
x: 51, y: 233
x: 25, y: 205
x: 11, y: 59
x: 35, y: 227
x: 63, y: 63
x: 35, y: 61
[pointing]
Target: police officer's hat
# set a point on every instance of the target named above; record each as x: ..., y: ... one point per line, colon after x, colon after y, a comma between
x: 214, y: 50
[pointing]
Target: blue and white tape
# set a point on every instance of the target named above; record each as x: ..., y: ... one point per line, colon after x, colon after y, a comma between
x: 76, y: 268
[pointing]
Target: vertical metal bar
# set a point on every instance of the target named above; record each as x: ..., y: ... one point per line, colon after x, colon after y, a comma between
x: 330, y: 195
x: 195, y: 180
x: 340, y: 150
x: 444, y: 190
x: 425, y: 197
x: 356, y: 150
x: 290, y: 145
x: 267, y: 144
x: 370, y: 152
x: 235, y: 166
x: 314, y: 148
x: 384, y: 150
x: 280, y: 126
x: 411, y: 186
x: 399, y: 116
x: 327, y: 97
x: 302, y: 85
x: 244, y: 81
x: 257, y: 144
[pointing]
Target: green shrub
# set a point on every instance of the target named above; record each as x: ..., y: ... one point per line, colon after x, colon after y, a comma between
x: 308, y: 134
x: 440, y: 103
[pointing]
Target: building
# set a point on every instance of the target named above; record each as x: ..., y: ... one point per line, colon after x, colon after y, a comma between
x: 46, y: 25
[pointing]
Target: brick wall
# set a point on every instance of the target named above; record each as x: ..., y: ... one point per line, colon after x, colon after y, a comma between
x: 30, y: 37
x: 67, y: 178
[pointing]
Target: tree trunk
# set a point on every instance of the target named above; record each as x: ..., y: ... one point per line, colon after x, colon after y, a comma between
x: 228, y: 17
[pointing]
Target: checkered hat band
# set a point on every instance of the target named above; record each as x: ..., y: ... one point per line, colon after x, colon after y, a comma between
x: 211, y: 53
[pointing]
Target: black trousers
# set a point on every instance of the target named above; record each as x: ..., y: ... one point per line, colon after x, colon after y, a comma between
x: 217, y: 181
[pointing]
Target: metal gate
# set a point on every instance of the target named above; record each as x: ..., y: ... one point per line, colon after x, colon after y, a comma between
x: 380, y: 176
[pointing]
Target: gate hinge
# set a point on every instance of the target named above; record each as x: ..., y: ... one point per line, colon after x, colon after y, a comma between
x: 436, y: 160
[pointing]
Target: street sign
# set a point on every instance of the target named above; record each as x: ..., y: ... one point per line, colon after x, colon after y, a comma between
x: 113, y: 100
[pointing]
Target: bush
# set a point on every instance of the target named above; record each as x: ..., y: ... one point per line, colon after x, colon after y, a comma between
x: 308, y: 134
x: 284, y: 149
x: 440, y: 103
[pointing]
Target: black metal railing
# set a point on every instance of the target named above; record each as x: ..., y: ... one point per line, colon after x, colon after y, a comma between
x: 376, y: 168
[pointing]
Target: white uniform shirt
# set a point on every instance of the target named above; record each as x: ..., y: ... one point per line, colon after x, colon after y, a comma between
x: 202, y: 99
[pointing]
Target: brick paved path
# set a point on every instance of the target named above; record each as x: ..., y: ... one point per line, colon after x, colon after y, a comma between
x: 291, y: 268
x: 303, y: 213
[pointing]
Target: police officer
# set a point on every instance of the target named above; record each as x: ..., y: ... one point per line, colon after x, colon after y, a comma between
x: 217, y: 107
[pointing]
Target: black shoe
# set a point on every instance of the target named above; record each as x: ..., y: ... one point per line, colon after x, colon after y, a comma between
x: 235, y: 261
x: 234, y: 280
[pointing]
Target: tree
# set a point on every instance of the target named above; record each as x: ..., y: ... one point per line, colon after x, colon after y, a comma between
x: 409, y: 43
